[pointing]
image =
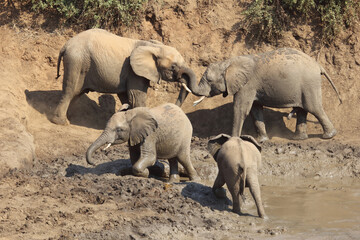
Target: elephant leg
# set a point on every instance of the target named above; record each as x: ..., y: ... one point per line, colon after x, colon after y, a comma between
x: 234, y: 189
x: 72, y: 84
x: 217, y: 188
x: 254, y: 186
x: 300, y: 132
x: 328, y: 127
x: 182, y: 96
x: 147, y: 158
x: 257, y: 112
x: 184, y: 159
x: 174, y: 170
x: 137, y: 91
x: 242, y: 105
x: 134, y: 154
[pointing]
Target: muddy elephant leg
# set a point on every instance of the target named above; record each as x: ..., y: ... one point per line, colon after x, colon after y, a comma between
x: 217, y: 188
x: 174, y: 170
x: 234, y: 189
x: 72, y: 84
x: 137, y: 91
x: 147, y: 158
x: 300, y: 132
x: 254, y: 186
x: 242, y: 105
x: 185, y: 161
x: 257, y: 112
x: 328, y: 127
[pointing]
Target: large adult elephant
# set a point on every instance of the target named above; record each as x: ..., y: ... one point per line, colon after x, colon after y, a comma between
x: 281, y: 78
x: 97, y: 60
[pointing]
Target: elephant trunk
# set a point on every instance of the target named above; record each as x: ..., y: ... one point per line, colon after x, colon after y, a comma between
x: 100, y: 141
x: 188, y: 75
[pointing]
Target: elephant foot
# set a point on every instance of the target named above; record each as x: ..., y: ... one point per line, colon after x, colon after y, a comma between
x: 140, y: 173
x: 263, y: 138
x: 264, y: 216
x: 174, y: 178
x: 59, y: 120
x: 329, y: 135
x: 300, y: 136
x: 220, y: 192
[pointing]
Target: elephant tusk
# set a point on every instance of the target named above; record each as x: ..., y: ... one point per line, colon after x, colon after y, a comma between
x: 186, y: 87
x: 107, y: 146
x: 198, y: 101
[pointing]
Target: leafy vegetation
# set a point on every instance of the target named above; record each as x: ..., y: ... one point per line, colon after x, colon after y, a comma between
x: 92, y: 13
x: 267, y: 19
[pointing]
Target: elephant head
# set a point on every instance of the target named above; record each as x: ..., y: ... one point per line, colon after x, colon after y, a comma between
x: 215, y: 143
x: 132, y: 125
x: 156, y: 61
x: 225, y: 77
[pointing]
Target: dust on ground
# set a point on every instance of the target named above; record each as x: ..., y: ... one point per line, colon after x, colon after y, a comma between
x: 49, y: 192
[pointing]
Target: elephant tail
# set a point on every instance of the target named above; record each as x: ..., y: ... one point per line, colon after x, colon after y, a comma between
x: 323, y: 72
x: 61, y: 54
x: 242, y: 182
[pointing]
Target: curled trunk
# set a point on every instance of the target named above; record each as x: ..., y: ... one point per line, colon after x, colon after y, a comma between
x: 100, y: 141
x: 187, y: 76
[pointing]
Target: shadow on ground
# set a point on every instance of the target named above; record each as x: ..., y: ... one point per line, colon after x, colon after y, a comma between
x: 82, y: 111
x: 211, y: 122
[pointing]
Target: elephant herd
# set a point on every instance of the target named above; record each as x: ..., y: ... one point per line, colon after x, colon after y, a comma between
x: 96, y: 60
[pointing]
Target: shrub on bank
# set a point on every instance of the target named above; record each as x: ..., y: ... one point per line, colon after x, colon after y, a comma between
x: 267, y: 19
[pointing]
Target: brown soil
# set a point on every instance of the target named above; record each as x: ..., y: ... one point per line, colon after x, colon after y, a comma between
x: 49, y: 192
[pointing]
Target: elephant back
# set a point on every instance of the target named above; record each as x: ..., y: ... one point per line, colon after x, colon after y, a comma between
x: 252, y: 140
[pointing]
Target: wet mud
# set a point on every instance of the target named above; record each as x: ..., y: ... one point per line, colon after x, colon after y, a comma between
x: 310, y: 191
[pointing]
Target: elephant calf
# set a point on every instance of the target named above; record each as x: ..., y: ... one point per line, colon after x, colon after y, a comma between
x: 238, y: 160
x: 160, y: 132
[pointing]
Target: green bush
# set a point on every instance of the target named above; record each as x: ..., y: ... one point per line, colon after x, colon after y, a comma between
x: 267, y: 19
x: 92, y: 13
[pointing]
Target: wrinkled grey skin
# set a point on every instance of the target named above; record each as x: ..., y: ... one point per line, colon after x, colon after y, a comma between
x: 281, y: 78
x: 161, y: 132
x: 238, y: 160
x: 97, y: 60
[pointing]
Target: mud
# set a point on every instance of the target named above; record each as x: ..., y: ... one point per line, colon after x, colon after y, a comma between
x: 64, y: 198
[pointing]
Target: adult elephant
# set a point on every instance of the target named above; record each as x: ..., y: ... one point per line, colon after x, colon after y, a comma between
x: 281, y: 78
x: 97, y: 60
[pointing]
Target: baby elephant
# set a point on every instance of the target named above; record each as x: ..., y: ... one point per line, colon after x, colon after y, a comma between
x: 160, y: 132
x: 238, y: 159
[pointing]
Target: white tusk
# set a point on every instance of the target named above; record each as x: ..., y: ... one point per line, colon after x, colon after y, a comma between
x: 186, y: 87
x: 198, y: 101
x: 107, y: 146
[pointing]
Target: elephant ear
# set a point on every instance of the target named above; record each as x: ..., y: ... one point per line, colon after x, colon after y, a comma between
x: 215, y: 143
x: 143, y: 62
x: 142, y: 124
x: 238, y: 73
x: 252, y: 140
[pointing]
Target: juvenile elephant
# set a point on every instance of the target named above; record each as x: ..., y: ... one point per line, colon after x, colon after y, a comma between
x: 281, y: 78
x: 161, y: 132
x: 97, y: 60
x: 238, y: 160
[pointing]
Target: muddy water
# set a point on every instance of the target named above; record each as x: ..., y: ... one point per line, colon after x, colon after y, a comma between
x: 313, y: 209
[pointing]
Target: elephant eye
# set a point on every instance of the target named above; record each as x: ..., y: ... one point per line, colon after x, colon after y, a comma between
x: 119, y: 129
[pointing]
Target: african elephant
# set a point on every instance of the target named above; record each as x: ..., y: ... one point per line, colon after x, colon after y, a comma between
x: 238, y: 160
x: 97, y: 60
x: 281, y: 78
x: 161, y: 132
